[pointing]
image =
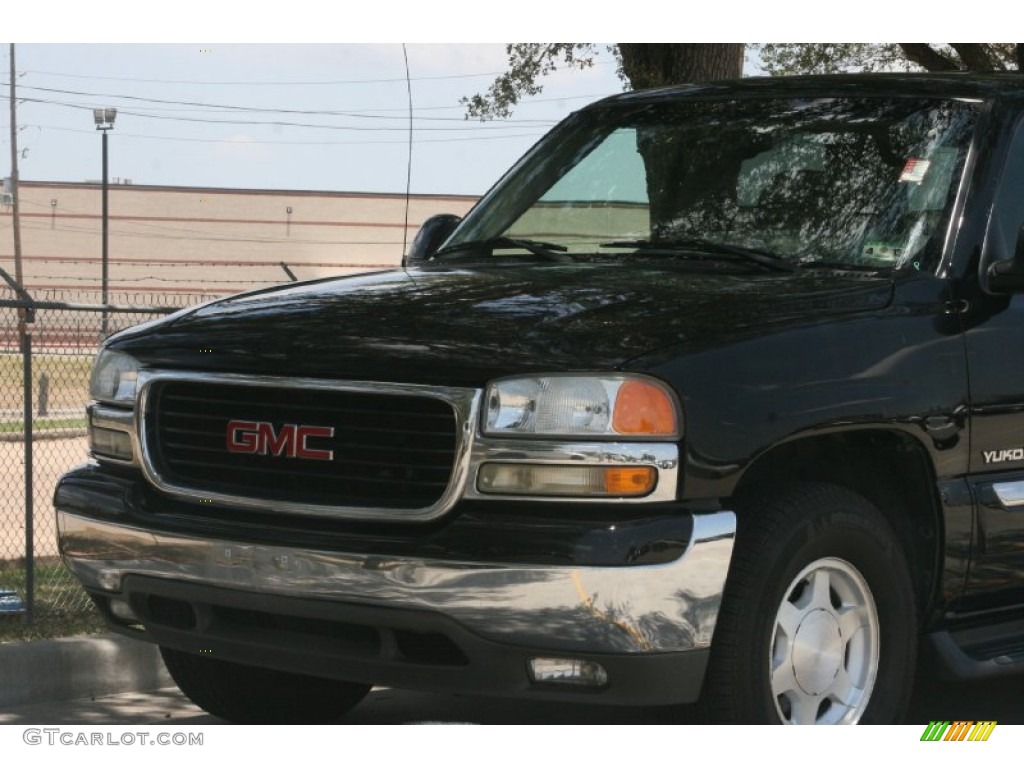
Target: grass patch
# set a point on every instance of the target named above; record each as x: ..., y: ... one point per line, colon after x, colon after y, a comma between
x: 67, y: 375
x: 62, y: 608
x: 15, y: 629
x: 40, y: 424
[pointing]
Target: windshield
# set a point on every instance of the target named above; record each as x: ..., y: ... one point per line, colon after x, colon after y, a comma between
x: 857, y: 183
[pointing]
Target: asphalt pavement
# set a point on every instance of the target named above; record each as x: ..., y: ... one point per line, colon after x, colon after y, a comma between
x: 1003, y: 703
x: 1001, y: 700
x: 75, y: 668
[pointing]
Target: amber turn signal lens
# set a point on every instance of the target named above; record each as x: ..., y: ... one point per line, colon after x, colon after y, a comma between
x: 560, y: 480
x: 643, y: 408
x: 629, y: 481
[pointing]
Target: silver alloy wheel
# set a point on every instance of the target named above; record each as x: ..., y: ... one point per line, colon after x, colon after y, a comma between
x: 824, y: 650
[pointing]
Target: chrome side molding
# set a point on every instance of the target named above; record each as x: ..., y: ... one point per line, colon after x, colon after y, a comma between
x: 1010, y: 495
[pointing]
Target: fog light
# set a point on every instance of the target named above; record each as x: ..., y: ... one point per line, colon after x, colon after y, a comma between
x: 121, y: 610
x: 560, y: 480
x: 110, y: 442
x: 576, y: 672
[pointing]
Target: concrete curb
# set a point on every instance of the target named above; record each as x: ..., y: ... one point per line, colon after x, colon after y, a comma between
x: 78, y: 668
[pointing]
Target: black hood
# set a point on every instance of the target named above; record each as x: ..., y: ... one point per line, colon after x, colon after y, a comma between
x: 465, y: 326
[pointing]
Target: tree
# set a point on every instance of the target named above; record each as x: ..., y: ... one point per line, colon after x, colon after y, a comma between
x: 641, y: 65
x: 828, y: 58
x: 650, y: 65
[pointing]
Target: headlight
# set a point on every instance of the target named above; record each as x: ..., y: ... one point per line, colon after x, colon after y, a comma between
x: 113, y: 378
x: 572, y: 405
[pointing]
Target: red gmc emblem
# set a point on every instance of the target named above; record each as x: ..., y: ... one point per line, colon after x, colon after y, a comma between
x: 291, y: 440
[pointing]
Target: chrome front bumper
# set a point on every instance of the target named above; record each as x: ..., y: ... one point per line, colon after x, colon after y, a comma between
x: 643, y: 609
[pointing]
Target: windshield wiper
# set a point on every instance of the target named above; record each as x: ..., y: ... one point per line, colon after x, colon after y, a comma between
x: 707, y: 247
x: 843, y: 266
x: 549, y: 251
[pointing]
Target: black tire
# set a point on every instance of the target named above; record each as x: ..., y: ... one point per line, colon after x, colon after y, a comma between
x: 818, y: 621
x: 252, y: 695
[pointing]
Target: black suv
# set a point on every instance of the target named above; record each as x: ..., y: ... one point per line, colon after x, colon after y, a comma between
x: 717, y: 396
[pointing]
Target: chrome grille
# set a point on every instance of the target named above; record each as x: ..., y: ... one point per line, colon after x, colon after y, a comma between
x: 389, y: 450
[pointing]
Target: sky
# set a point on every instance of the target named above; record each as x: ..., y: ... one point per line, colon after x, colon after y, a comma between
x: 300, y: 116
x: 277, y: 103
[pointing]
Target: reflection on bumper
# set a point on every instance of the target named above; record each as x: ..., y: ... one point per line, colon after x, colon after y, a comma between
x: 639, y: 609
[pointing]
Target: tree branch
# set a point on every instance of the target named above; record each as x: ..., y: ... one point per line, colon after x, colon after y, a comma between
x: 927, y: 57
x: 528, y: 63
x: 974, y: 55
x: 1019, y: 51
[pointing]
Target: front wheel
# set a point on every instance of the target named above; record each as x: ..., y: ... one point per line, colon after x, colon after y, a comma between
x: 817, y: 624
x: 253, y: 695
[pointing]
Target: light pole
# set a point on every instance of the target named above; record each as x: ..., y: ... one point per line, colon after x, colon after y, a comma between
x: 104, y: 122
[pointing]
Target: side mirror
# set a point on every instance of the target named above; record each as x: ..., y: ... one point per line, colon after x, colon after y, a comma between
x: 432, y: 234
x: 1007, y: 276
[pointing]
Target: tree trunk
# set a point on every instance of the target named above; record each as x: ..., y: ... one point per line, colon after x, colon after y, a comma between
x: 651, y: 65
x: 927, y: 57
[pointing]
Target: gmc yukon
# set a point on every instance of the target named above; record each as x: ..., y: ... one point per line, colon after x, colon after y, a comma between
x: 717, y: 397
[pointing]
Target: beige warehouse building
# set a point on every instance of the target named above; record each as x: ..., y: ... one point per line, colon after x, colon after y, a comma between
x: 173, y: 244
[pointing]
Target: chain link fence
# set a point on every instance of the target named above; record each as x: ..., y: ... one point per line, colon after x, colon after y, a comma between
x: 46, y: 352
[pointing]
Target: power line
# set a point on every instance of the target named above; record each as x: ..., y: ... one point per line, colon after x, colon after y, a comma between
x: 372, y: 81
x: 281, y: 123
x: 242, y: 108
x: 122, y: 134
x: 524, y: 103
x: 588, y: 97
x: 284, y: 83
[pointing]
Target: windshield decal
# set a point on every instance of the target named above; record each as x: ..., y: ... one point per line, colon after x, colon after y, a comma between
x: 915, y: 170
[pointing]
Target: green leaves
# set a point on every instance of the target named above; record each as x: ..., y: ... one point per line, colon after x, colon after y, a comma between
x: 829, y: 58
x: 527, y: 64
x: 647, y: 65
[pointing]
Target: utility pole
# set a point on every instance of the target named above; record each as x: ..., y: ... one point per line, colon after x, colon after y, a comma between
x: 25, y: 335
x: 16, y: 221
x: 104, y: 119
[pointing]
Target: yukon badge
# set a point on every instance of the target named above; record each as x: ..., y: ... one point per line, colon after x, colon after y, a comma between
x: 1006, y: 454
x: 291, y: 441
